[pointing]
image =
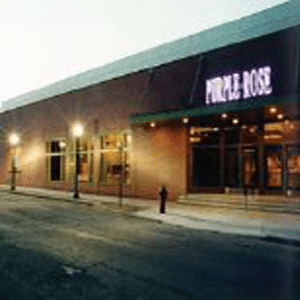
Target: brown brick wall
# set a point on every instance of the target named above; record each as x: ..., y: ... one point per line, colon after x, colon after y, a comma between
x: 159, y: 159
x: 159, y: 154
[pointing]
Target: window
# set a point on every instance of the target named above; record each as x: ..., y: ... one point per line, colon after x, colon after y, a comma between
x: 206, y: 167
x: 293, y: 164
x: 205, y: 135
x: 56, y: 160
x: 86, y: 159
x: 114, y: 159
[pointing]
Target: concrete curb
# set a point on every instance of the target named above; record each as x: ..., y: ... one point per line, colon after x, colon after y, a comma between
x: 264, y: 233
x: 81, y: 201
x: 263, y: 229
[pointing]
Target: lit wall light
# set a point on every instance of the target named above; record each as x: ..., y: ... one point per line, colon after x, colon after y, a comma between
x: 195, y: 139
x: 185, y: 120
x: 244, y: 127
x: 62, y: 144
x: 152, y: 124
x: 235, y: 121
x: 280, y: 116
x: 77, y: 130
x: 14, y: 139
x: 224, y: 116
x: 252, y: 130
x: 273, y: 110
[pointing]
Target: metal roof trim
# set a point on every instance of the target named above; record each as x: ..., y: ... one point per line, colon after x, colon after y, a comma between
x: 232, y: 107
x: 267, y: 21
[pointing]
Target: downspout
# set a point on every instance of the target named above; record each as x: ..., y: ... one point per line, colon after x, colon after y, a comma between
x: 196, y: 79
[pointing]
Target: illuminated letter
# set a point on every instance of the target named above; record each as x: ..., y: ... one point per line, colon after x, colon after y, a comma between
x: 227, y: 88
x: 246, y: 84
x: 218, y: 85
x: 267, y: 73
x: 253, y: 83
x: 236, y: 86
x: 214, y: 93
x: 260, y: 82
x: 208, y: 98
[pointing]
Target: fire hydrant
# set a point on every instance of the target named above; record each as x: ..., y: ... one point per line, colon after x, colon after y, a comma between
x: 163, y: 197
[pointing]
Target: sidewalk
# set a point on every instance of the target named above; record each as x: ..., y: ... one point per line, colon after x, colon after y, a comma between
x: 253, y: 223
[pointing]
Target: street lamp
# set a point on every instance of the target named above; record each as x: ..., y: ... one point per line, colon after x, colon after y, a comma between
x: 14, y: 141
x: 77, y: 133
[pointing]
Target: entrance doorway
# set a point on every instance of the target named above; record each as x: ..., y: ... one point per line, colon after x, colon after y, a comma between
x: 293, y: 165
x: 274, y: 166
x: 231, y: 167
x: 250, y: 167
x: 206, y: 166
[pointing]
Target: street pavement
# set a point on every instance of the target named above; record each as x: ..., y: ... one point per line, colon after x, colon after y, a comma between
x: 236, y: 221
x: 54, y: 249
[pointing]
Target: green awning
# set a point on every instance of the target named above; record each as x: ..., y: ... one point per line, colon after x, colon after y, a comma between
x: 232, y: 107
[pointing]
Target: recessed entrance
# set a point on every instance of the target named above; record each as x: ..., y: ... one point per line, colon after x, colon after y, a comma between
x: 255, y: 149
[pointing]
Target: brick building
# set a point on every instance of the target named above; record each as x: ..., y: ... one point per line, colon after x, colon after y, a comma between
x: 216, y: 111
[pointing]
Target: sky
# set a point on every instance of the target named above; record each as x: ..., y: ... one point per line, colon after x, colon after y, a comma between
x: 44, y: 41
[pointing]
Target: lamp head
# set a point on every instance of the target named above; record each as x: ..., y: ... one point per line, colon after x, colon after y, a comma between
x: 14, y: 139
x: 77, y: 130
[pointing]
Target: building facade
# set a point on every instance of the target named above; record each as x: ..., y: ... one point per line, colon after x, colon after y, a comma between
x: 213, y: 112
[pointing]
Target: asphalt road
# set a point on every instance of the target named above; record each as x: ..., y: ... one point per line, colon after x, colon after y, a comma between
x: 52, y: 249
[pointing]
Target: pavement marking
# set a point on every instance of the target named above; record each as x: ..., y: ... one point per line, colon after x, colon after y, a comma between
x: 81, y: 234
x: 8, y: 227
x: 97, y: 237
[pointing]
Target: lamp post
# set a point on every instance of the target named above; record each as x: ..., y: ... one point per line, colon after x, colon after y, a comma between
x: 77, y: 133
x: 14, y: 141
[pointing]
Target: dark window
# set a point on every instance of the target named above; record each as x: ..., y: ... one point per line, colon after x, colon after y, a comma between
x: 249, y: 134
x: 55, y: 167
x: 206, y: 167
x: 56, y: 159
x: 55, y: 148
x: 232, y: 135
x: 231, y: 168
x: 211, y: 138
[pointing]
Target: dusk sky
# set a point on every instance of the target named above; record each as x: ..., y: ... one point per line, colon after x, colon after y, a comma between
x: 43, y: 41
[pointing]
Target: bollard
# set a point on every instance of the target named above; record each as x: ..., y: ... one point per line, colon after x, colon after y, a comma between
x: 246, y: 193
x: 163, y: 197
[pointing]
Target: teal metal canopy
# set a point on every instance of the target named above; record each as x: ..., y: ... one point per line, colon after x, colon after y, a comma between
x: 232, y: 107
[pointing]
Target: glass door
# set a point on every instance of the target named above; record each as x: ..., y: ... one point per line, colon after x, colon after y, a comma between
x: 231, y: 167
x: 274, y: 166
x: 293, y: 164
x: 250, y: 167
x: 206, y: 166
